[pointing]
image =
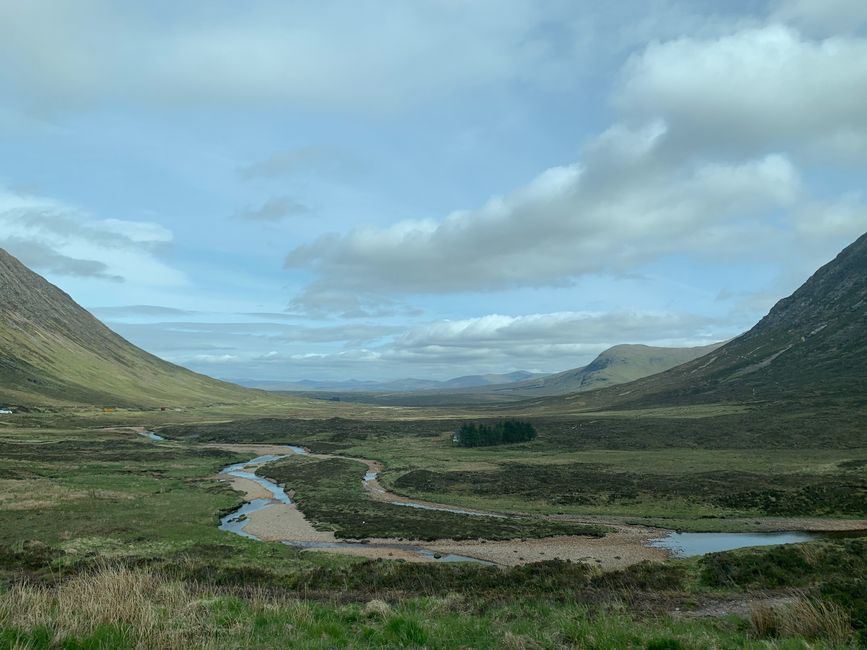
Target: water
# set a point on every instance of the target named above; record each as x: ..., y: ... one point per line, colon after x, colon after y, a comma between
x: 693, y: 544
x: 236, y: 521
x: 152, y: 436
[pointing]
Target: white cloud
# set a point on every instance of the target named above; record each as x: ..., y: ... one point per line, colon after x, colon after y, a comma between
x: 559, y: 330
x: 50, y: 236
x: 622, y: 209
x: 336, y: 53
x: 755, y: 89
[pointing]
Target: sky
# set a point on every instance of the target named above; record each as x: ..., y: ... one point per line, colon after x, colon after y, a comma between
x: 378, y: 189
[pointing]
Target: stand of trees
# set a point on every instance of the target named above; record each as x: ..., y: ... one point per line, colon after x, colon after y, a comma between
x: 505, y: 432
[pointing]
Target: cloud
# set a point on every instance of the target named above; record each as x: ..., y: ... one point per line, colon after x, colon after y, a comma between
x: 333, y: 54
x: 321, y: 301
x: 624, y: 206
x: 704, y: 162
x: 51, y: 236
x: 492, y: 343
x: 38, y: 256
x: 553, y: 333
x: 823, y: 16
x: 127, y: 311
x: 302, y: 162
x: 275, y: 209
x: 753, y: 90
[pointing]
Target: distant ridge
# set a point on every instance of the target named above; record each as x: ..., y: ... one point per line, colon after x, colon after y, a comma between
x: 616, y: 365
x: 397, y: 385
x: 54, y: 352
x: 811, y: 346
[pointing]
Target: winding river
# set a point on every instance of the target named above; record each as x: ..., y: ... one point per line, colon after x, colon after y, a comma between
x: 236, y: 521
x: 626, y: 545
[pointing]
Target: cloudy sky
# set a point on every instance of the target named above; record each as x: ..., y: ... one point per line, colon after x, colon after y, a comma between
x: 382, y: 189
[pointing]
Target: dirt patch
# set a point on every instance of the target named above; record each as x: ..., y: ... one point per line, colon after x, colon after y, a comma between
x: 732, y: 606
x: 251, y: 489
x: 284, y: 522
x: 614, y: 551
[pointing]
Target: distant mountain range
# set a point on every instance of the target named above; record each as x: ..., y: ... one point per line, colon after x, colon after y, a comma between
x: 397, y: 385
x: 616, y: 365
x: 53, y: 352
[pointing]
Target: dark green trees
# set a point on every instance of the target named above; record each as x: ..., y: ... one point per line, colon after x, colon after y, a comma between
x: 504, y: 432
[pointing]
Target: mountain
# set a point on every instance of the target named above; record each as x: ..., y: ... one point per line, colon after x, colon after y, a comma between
x: 811, y: 347
x: 53, y: 352
x: 616, y: 365
x: 397, y: 385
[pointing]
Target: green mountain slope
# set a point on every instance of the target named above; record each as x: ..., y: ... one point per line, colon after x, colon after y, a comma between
x: 811, y: 347
x: 54, y: 352
x: 616, y: 365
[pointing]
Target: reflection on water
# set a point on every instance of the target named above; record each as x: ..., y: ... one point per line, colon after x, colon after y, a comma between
x: 692, y: 544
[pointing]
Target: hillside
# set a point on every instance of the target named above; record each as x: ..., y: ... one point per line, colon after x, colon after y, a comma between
x: 616, y: 365
x: 54, y: 352
x: 811, y: 347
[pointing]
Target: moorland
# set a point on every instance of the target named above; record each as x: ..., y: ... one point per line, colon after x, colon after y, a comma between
x: 110, y: 538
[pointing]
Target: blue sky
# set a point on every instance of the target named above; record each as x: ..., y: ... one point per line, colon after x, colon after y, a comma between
x: 374, y: 190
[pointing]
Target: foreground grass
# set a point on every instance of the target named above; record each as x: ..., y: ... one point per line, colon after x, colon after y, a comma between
x: 139, y: 608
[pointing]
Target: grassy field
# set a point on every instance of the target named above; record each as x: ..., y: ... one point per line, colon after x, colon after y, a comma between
x: 327, y: 492
x: 110, y: 541
x: 718, y: 469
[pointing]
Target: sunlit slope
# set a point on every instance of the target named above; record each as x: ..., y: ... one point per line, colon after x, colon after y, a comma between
x: 54, y: 352
x: 810, y: 348
x: 616, y: 365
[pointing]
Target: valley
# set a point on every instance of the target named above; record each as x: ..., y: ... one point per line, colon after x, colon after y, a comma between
x: 369, y: 519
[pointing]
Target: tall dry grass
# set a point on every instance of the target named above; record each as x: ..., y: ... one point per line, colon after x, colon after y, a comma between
x: 153, y: 611
x: 805, y: 617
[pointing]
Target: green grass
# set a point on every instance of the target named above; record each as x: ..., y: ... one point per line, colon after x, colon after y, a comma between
x: 329, y: 493
x: 107, y: 502
x: 116, y: 607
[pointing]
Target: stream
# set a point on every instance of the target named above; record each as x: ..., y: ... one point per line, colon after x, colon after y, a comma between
x: 236, y: 521
x: 676, y: 544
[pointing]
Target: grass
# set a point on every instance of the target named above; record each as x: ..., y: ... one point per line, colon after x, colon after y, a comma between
x: 329, y: 493
x: 805, y: 618
x: 140, y: 608
x: 604, y: 465
x: 112, y: 506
